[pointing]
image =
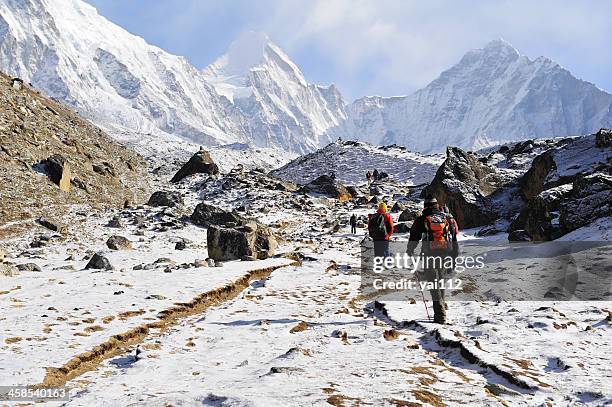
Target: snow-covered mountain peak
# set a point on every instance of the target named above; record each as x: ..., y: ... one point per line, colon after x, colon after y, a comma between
x: 252, y: 52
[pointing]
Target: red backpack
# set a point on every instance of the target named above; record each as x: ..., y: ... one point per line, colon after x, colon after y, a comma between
x: 438, y: 230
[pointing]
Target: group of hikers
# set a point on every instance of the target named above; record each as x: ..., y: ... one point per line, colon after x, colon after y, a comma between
x: 375, y: 175
x: 438, y: 230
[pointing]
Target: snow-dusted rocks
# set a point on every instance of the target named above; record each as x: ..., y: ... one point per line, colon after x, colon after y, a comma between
x: 206, y: 215
x: 328, y: 185
x: 165, y: 198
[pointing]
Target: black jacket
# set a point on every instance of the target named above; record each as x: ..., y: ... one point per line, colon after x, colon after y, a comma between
x: 418, y: 229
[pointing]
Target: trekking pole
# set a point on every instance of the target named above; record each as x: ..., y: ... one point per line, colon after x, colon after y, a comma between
x: 416, y: 274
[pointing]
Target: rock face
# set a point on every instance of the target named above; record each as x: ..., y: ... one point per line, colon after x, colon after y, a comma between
x: 329, y: 186
x: 165, y: 198
x: 99, y: 262
x: 200, y: 163
x: 58, y: 171
x: 254, y: 240
x: 206, y: 215
x: 464, y: 184
x: 119, y: 243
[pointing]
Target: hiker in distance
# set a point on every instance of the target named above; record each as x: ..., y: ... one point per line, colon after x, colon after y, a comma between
x: 380, y: 228
x: 353, y: 222
x: 438, y: 230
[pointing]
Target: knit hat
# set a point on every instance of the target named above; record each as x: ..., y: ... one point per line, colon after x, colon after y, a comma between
x: 382, y: 207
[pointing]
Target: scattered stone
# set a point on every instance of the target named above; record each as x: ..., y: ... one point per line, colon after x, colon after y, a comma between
x: 165, y: 198
x: 2, y: 255
x: 99, y: 262
x: 155, y: 297
x: 401, y: 227
x: 115, y: 223
x: 119, y: 243
x: 199, y: 263
x: 200, y: 163
x: 180, y: 245
x: 52, y: 225
x: 29, y: 267
x: 397, y: 207
x: 409, y: 215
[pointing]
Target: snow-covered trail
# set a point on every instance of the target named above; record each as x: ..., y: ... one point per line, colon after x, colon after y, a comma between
x: 297, y: 338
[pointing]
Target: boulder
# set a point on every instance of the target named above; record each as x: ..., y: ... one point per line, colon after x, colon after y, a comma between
x: 99, y: 262
x: 115, y: 222
x: 237, y: 243
x: 329, y: 186
x: 119, y: 243
x: 603, y: 138
x: 464, y: 183
x: 165, y: 198
x: 206, y: 215
x: 200, y: 163
x: 52, y: 224
x: 57, y: 169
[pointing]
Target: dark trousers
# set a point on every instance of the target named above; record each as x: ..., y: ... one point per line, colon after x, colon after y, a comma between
x: 381, y: 248
x: 437, y: 295
x: 353, y: 229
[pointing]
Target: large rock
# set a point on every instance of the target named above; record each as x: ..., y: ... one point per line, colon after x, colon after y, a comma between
x: 165, y: 198
x: 464, y: 183
x: 119, y: 243
x: 52, y: 224
x: 206, y: 215
x: 532, y: 183
x: 329, y: 186
x: 99, y: 262
x: 57, y: 169
x: 603, y: 138
x: 200, y: 163
x: 250, y: 241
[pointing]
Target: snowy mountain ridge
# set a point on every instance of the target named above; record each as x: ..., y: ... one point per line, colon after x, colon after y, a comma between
x: 255, y: 94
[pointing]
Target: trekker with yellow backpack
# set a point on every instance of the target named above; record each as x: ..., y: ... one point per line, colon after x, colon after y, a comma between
x: 438, y: 230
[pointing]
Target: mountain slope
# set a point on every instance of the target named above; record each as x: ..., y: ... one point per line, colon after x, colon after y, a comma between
x: 492, y: 95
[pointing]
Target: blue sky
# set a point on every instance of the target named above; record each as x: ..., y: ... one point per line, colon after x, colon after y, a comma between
x: 382, y: 47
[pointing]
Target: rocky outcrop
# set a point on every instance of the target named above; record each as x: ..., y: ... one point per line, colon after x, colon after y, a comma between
x: 464, y: 184
x: 200, y: 163
x: 58, y: 170
x: 532, y: 183
x: 329, y: 186
x: 52, y: 225
x: 207, y: 215
x: 565, y: 208
x: 165, y: 198
x: 251, y: 240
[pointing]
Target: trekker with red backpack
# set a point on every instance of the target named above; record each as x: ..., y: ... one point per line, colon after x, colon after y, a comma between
x: 380, y: 228
x: 438, y: 231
